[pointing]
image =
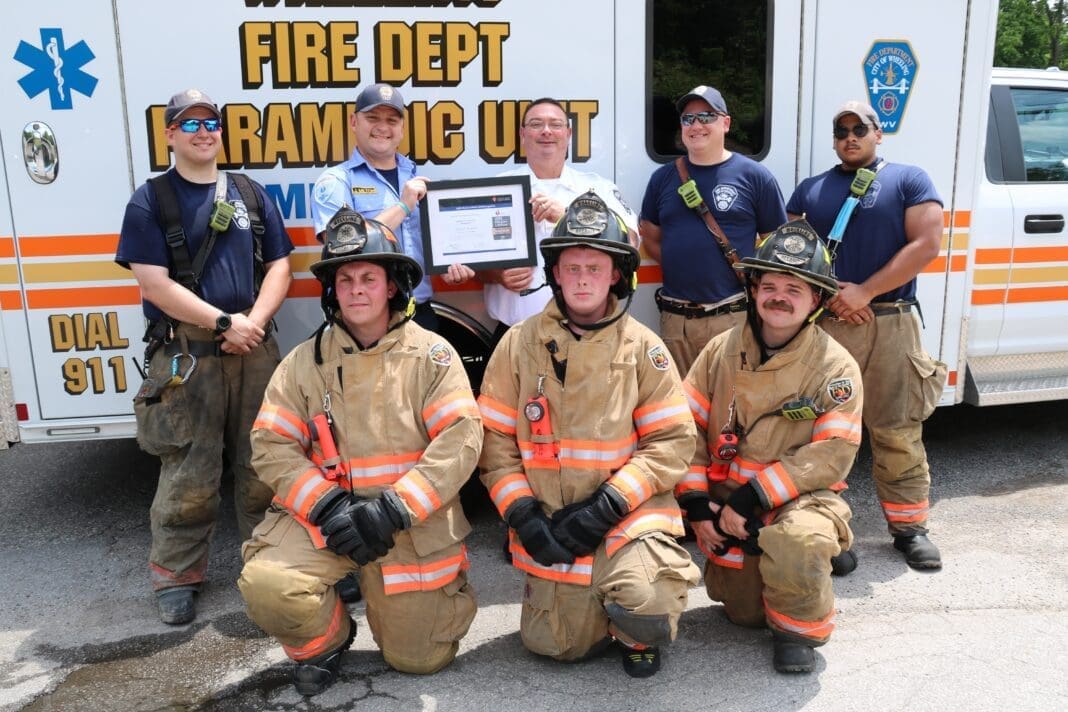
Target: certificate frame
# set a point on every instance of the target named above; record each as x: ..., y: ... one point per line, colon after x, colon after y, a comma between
x: 484, y: 223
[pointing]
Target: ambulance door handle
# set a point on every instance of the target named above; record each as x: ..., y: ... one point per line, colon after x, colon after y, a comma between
x: 1043, y: 223
x: 40, y: 153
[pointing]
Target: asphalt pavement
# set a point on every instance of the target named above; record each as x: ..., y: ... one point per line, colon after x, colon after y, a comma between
x: 79, y: 631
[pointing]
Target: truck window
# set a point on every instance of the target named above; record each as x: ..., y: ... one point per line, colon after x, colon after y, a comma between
x: 721, y: 43
x: 1042, y: 115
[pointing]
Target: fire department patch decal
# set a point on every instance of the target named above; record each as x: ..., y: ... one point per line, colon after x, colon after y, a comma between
x: 723, y: 196
x: 659, y: 358
x: 840, y: 391
x: 441, y: 354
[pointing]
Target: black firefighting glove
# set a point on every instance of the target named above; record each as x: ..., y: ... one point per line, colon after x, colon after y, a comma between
x: 364, y: 530
x: 534, y: 531
x: 581, y: 526
x: 696, y: 507
x: 743, y: 501
x: 331, y: 503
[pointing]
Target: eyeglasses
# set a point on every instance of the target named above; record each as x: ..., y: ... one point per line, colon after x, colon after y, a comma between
x: 704, y: 117
x: 539, y: 124
x: 859, y: 130
x: 193, y: 125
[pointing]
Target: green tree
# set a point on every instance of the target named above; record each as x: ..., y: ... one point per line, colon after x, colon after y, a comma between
x: 1032, y: 33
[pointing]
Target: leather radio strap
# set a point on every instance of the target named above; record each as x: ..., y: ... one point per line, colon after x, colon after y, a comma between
x: 729, y: 253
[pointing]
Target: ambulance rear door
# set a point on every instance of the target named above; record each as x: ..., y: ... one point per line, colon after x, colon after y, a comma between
x: 67, y: 169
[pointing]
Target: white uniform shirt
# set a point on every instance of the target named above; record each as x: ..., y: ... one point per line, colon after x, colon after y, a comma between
x: 507, y: 306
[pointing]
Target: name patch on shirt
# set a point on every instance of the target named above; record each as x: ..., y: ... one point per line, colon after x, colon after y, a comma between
x: 840, y: 391
x: 441, y: 354
x: 364, y: 190
x: 659, y: 358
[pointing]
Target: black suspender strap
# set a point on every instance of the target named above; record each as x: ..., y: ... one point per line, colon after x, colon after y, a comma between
x: 251, y: 197
x: 171, y: 217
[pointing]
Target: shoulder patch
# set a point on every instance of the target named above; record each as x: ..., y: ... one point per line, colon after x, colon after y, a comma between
x: 659, y: 358
x: 841, y: 391
x: 441, y: 354
x: 324, y: 187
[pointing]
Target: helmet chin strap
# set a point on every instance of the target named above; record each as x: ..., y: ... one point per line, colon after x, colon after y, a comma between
x: 598, y: 325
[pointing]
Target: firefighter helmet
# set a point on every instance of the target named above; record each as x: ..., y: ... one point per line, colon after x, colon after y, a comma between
x: 589, y: 223
x: 350, y: 237
x: 795, y: 249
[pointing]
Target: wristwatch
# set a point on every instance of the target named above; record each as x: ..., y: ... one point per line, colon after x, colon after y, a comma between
x: 222, y: 323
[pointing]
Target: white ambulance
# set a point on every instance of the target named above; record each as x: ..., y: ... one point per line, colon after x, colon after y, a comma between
x: 84, y: 83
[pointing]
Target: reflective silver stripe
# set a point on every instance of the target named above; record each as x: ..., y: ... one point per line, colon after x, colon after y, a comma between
x: 504, y: 492
x: 661, y: 413
x: 496, y: 415
x: 306, y: 490
x: 448, y: 409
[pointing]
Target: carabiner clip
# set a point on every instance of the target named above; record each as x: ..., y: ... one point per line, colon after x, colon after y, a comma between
x: 178, y: 378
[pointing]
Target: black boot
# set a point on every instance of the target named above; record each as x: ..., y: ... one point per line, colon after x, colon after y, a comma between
x: 348, y: 588
x: 177, y: 605
x: 640, y: 663
x: 919, y: 552
x: 791, y: 657
x: 844, y: 564
x: 317, y: 674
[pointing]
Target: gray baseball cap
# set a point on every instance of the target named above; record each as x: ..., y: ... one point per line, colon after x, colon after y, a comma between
x: 863, y: 110
x: 186, y: 100
x: 380, y: 95
x: 709, y: 94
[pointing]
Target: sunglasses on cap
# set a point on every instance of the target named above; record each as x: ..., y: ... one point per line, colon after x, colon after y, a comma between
x: 858, y: 130
x: 704, y: 117
x: 193, y: 125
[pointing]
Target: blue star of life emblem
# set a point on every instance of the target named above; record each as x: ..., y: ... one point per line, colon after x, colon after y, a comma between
x: 57, y: 68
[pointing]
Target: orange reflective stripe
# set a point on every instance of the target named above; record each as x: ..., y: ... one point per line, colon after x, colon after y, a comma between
x: 777, y: 484
x: 845, y: 426
x: 643, y: 522
x: 656, y: 416
x: 597, y: 454
x: 528, y: 450
x: 818, y: 630
x: 320, y: 645
x: 428, y: 576
x: 906, y: 513
x: 281, y: 421
x: 497, y: 416
x: 442, y: 413
x: 579, y: 573
x: 509, y: 489
x: 695, y: 480
x: 839, y: 486
x: 418, y: 494
x: 743, y: 470
x: 382, y: 470
x: 313, y: 531
x: 699, y: 405
x: 732, y: 558
x: 633, y: 485
x: 306, y: 491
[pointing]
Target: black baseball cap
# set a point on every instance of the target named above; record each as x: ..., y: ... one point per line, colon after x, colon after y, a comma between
x: 380, y: 95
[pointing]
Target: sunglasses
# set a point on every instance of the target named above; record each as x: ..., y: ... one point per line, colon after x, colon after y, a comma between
x: 859, y: 130
x: 193, y: 125
x: 705, y: 117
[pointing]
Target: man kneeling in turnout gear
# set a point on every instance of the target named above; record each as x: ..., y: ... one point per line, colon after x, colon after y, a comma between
x: 777, y: 405
x: 586, y: 433
x: 366, y: 433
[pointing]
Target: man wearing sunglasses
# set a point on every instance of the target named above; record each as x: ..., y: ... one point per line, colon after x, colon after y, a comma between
x: 188, y: 236
x: 893, y: 232
x: 380, y: 183
x: 701, y: 295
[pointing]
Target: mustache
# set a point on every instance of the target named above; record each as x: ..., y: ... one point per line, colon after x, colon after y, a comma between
x: 778, y: 304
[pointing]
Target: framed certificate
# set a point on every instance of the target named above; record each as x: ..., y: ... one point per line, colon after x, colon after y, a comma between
x: 484, y: 223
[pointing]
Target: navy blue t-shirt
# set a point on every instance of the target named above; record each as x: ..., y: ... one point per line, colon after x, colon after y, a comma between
x: 227, y: 281
x: 876, y: 232
x: 744, y: 198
